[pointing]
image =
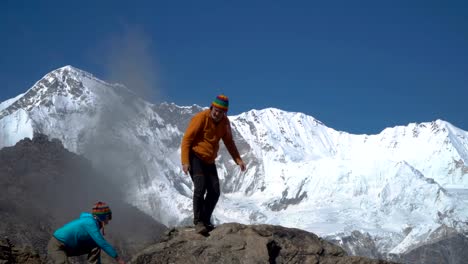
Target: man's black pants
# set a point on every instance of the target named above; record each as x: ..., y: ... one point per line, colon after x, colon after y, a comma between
x: 206, y: 182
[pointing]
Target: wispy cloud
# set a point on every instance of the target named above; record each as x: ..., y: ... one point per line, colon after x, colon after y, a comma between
x: 129, y: 60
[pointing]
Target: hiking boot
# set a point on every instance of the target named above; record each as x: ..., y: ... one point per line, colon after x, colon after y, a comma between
x: 209, y: 226
x: 200, y: 228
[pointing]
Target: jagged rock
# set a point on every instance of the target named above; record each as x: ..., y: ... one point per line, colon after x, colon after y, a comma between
x: 10, y: 254
x: 357, y: 244
x: 249, y: 244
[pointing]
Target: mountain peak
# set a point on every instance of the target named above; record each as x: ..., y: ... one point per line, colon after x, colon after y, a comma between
x: 64, y: 87
x: 272, y: 114
x: 52, y: 89
x: 69, y: 68
x: 69, y: 71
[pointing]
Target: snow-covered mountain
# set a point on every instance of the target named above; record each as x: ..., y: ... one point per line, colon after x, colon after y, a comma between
x: 397, y: 187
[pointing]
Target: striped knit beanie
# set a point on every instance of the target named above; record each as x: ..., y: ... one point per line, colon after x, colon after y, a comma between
x: 101, y: 211
x: 221, y: 101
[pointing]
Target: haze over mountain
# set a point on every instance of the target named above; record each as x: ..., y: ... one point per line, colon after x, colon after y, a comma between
x: 398, y: 189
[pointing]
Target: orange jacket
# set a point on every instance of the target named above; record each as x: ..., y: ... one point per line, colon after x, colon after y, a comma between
x: 202, y: 137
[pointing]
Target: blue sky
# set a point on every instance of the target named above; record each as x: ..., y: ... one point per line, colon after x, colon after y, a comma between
x: 357, y: 66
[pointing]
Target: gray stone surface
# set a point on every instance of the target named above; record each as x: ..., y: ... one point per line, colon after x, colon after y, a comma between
x: 247, y: 244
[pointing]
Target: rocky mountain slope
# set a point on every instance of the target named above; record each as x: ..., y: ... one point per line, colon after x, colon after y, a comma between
x: 43, y: 186
x: 10, y: 254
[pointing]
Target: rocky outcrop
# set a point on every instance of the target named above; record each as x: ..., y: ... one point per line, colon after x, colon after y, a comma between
x: 248, y: 244
x: 10, y: 254
x: 450, y: 249
x: 356, y: 244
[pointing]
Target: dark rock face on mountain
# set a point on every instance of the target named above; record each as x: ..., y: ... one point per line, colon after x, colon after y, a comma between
x: 10, y: 254
x: 451, y: 249
x: 248, y: 244
x: 43, y: 186
x: 357, y: 244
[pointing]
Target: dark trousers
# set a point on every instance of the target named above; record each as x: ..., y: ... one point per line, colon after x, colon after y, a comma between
x: 206, y: 189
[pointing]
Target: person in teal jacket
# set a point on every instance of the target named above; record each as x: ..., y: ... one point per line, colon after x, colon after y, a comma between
x: 83, y: 236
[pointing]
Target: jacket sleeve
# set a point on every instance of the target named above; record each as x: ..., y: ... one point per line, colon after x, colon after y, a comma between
x: 96, y: 235
x: 189, y: 136
x: 230, y: 145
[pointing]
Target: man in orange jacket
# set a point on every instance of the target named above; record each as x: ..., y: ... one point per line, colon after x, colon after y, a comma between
x: 199, y: 150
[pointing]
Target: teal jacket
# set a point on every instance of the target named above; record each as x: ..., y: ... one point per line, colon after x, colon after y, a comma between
x: 84, y: 233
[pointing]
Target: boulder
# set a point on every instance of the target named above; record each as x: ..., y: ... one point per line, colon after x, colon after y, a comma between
x: 237, y: 243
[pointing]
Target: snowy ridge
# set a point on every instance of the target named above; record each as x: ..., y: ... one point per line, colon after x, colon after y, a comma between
x: 284, y: 133
x: 9, y: 102
x: 398, y: 186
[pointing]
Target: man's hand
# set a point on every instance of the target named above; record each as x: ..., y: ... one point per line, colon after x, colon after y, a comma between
x: 185, y: 168
x: 242, y: 166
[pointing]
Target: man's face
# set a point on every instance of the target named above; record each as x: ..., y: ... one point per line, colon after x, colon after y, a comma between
x: 217, y: 114
x: 106, y: 221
